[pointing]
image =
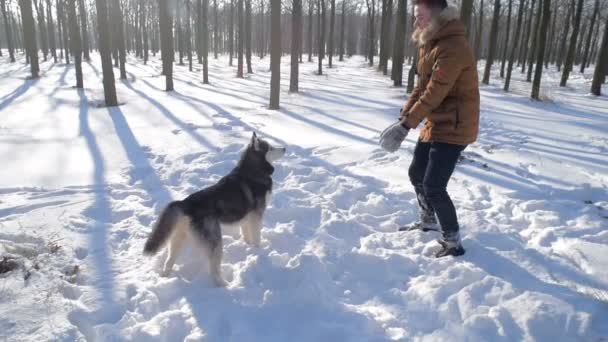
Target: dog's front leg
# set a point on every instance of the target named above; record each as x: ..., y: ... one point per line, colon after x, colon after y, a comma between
x: 256, y: 228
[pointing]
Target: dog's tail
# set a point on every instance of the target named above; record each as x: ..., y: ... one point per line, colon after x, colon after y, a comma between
x: 167, y: 221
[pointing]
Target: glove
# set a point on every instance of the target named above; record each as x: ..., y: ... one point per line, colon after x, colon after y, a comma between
x: 392, y: 137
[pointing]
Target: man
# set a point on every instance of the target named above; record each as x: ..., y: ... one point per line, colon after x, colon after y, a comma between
x: 447, y: 96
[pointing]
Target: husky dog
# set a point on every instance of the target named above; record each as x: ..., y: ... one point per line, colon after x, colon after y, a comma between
x: 240, y: 198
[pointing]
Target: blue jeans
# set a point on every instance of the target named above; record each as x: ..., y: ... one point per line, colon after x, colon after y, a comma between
x: 430, y: 172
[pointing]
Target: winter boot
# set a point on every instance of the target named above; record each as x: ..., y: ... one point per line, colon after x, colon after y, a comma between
x: 450, y: 245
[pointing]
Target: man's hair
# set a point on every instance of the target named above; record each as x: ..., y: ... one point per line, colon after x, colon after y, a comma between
x: 438, y: 4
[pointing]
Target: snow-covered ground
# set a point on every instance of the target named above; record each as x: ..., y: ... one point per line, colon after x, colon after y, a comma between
x: 80, y: 187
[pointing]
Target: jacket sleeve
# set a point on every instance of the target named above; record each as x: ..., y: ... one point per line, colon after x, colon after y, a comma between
x: 446, y: 70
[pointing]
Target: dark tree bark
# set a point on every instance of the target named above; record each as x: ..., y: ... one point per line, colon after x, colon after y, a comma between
x: 59, y: 27
x: 330, y: 43
x: 29, y: 36
x: 188, y: 39
x: 371, y: 14
x: 205, y: 38
x: 241, y: 29
x: 166, y: 42
x: 321, y: 29
x: 179, y: 35
x: 85, y: 30
x: 466, y: 9
x: 296, y: 42
x: 479, y: 33
x: 493, y: 36
x: 261, y: 40
x: 522, y: 5
x: 8, y: 31
x: 504, y: 54
x: 532, y: 53
x: 342, y: 28
x: 109, y: 88
x: 41, y: 28
x: 275, y: 53
x: 387, y: 9
x: 572, y: 46
x: 144, y: 28
x: 310, y: 28
x: 411, y: 77
x: 248, y: 30
x: 528, y: 39
x: 216, y: 36
x: 51, y: 30
x: 64, y: 30
x: 550, y: 43
x: 601, y: 67
x: 231, y: 32
x: 76, y: 44
x: 542, y: 39
x: 560, y: 58
x: 119, y: 37
x: 588, y: 40
x: 398, y: 56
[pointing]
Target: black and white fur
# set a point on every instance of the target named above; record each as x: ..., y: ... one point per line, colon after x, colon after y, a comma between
x: 240, y: 198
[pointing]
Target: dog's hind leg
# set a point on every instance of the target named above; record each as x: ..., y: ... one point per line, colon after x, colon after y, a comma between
x: 176, y: 243
x: 210, y: 234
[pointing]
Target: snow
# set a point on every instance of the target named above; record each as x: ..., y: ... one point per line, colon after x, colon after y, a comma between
x: 81, y: 186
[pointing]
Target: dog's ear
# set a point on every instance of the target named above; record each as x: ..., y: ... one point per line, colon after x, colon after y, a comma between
x: 255, y: 142
x: 254, y: 136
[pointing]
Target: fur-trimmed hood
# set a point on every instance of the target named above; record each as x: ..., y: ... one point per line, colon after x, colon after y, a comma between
x: 437, y: 25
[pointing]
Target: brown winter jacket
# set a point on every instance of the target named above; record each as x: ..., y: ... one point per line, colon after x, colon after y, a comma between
x: 447, y: 92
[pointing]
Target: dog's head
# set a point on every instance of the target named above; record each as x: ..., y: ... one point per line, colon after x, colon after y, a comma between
x: 264, y: 148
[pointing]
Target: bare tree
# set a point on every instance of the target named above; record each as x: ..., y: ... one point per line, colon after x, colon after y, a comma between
x: 493, y: 36
x: 166, y: 42
x: 479, y: 32
x: 296, y: 42
x: 119, y: 37
x: 8, y: 31
x: 527, y: 42
x: 466, y: 9
x: 601, y: 67
x: 342, y: 27
x: 542, y: 40
x: 248, y: 30
x: 321, y: 30
x: 387, y: 9
x: 398, y: 56
x: 109, y: 88
x: 41, y: 27
x: 572, y: 46
x: 51, y: 31
x: 205, y: 41
x: 588, y: 40
x: 330, y: 43
x: 275, y: 53
x: 84, y: 28
x: 29, y: 36
x: 76, y: 44
x: 310, y: 28
x: 240, y: 45
x: 371, y: 14
x: 504, y: 54
x: 522, y: 5
x: 532, y: 52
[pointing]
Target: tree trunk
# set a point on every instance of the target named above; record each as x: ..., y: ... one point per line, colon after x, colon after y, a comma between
x: 560, y: 58
x: 188, y: 44
x: 197, y: 31
x: 551, y: 40
x: 248, y: 31
x: 309, y: 33
x: 216, y: 36
x: 7, y: 30
x: 296, y: 42
x: 522, y: 5
x: 41, y: 28
x: 588, y: 41
x: 493, y: 40
x: 231, y: 32
x: 412, y: 74
x: 504, y: 54
x: 84, y: 28
x: 75, y: 41
x: 275, y: 53
x: 572, y: 46
x: 466, y: 9
x: 330, y: 43
x: 109, y: 88
x: 144, y: 28
x: 601, y: 67
x: 526, y: 46
x: 65, y: 30
x: 371, y: 14
x: 342, y: 27
x: 205, y: 41
x: 59, y: 28
x: 241, y: 29
x: 29, y: 36
x: 50, y: 31
x: 166, y: 42
x: 479, y: 33
x: 385, y: 39
x: 179, y: 35
x: 398, y: 57
x: 542, y: 40
x: 533, y: 51
x: 119, y: 37
x: 321, y: 30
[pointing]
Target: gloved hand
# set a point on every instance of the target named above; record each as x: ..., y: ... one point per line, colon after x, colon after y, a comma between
x: 392, y: 137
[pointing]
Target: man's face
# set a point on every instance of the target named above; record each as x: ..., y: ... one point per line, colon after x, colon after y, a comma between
x: 423, y: 16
